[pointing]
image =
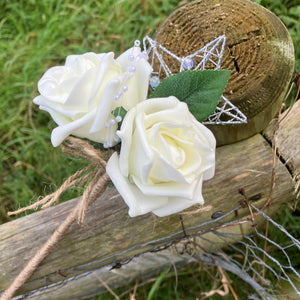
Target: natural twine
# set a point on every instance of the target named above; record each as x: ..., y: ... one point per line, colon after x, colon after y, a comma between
x: 99, y: 181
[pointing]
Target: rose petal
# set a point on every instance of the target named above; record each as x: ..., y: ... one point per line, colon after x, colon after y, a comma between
x: 61, y: 132
x: 207, y: 143
x: 72, y: 60
x: 105, y: 107
x: 170, y: 140
x: 140, y: 78
x: 137, y: 202
x: 142, y: 158
x: 83, y: 62
x: 80, y: 94
x: 123, y: 58
x: 177, y: 204
x: 50, y: 83
x: 108, y: 70
x: 59, y: 119
x: 169, y: 189
x: 101, y: 136
x: 125, y: 134
x: 56, y: 109
x: 163, y: 171
x: 165, y: 110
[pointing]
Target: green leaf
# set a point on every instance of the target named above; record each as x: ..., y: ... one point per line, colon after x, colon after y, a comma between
x: 200, y: 90
x: 119, y: 111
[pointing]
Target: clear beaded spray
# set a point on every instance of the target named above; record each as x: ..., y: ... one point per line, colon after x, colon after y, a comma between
x: 168, y: 64
x: 131, y: 69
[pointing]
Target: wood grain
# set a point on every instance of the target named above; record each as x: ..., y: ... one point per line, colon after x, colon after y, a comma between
x: 288, y: 137
x: 259, y: 52
x: 111, y: 235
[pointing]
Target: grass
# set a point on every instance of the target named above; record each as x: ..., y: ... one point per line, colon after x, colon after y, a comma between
x: 35, y: 35
x: 188, y: 284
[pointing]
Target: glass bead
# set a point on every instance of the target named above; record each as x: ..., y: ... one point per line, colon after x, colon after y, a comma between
x: 116, y: 138
x: 130, y: 57
x: 154, y: 81
x: 124, y: 88
x: 144, y: 55
x: 188, y: 63
x: 117, y: 97
x: 137, y: 43
x: 131, y: 69
x: 118, y: 119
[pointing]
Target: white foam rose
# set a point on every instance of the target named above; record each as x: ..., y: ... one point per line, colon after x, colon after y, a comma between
x: 81, y: 95
x: 165, y: 155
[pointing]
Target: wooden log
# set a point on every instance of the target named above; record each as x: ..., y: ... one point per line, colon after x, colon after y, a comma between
x: 110, y: 235
x: 288, y: 137
x: 96, y: 281
x: 257, y: 46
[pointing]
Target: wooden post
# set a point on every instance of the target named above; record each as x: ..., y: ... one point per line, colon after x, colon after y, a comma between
x: 110, y: 235
x: 259, y: 52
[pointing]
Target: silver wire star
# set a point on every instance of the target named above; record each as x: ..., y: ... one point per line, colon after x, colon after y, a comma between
x: 210, y: 55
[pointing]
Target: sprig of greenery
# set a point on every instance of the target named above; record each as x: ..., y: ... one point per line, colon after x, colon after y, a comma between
x: 200, y: 90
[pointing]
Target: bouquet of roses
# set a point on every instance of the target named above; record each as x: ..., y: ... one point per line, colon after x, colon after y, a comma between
x: 162, y: 152
x: 151, y: 145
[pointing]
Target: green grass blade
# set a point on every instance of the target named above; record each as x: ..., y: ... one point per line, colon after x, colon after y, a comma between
x: 156, y: 285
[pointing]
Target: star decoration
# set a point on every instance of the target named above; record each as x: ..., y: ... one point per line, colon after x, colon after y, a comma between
x: 208, y: 57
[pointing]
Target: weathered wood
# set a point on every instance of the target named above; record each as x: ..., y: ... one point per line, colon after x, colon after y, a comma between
x: 140, y: 268
x: 93, y: 282
x: 111, y: 235
x: 259, y: 52
x: 288, y: 140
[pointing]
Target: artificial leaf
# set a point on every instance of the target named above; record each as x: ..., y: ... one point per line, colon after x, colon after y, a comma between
x: 119, y: 111
x: 200, y: 90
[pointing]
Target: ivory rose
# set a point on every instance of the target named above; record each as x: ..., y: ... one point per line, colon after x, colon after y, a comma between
x: 165, y: 155
x: 81, y: 95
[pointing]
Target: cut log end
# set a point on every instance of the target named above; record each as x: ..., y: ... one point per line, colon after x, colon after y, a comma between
x: 259, y: 52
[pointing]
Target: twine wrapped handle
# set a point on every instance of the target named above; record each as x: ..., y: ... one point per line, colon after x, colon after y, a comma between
x: 77, y: 147
x: 99, y: 181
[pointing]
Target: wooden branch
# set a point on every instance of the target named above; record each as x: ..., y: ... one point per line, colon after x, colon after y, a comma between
x: 110, y: 235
